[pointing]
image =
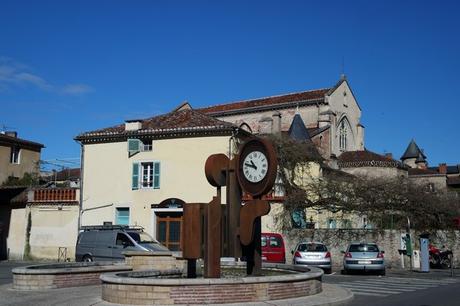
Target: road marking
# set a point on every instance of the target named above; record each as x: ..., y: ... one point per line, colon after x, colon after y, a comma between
x: 381, y: 287
x: 416, y: 286
x: 368, y: 293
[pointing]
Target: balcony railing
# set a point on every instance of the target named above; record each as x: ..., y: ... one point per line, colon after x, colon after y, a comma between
x: 54, y: 195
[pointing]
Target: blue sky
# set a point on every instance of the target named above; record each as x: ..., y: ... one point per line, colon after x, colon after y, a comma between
x: 72, y: 66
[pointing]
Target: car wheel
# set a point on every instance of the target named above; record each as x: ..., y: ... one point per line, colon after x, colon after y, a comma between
x: 382, y: 272
x: 87, y: 258
x: 344, y: 272
x: 327, y: 271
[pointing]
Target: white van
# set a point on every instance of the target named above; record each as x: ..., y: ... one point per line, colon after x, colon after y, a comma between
x: 108, y: 242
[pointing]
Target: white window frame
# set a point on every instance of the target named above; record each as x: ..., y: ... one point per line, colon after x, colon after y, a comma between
x: 150, y: 178
x: 146, y: 146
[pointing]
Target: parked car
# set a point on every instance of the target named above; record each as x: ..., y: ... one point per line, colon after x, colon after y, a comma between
x: 107, y: 243
x: 313, y: 254
x: 273, y: 248
x: 363, y: 257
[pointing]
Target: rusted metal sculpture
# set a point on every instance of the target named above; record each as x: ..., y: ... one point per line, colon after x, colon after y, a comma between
x: 212, y: 230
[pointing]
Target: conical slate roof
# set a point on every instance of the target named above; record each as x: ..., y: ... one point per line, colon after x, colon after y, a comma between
x: 298, y: 131
x: 420, y: 159
x: 412, y: 151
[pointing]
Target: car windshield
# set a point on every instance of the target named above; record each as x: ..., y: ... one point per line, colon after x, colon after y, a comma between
x: 141, y: 237
x: 311, y: 247
x: 363, y: 248
x: 272, y: 241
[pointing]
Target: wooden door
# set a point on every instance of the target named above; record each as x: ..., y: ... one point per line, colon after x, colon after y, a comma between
x: 169, y: 230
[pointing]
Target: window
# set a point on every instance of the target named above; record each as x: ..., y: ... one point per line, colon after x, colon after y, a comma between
x: 123, y: 240
x: 147, y: 145
x: 122, y: 216
x: 331, y: 223
x: 298, y: 219
x: 278, y: 186
x: 343, y: 135
x: 135, y: 146
x: 146, y: 175
x: 14, y: 156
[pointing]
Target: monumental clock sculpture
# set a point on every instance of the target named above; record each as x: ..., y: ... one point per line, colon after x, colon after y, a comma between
x: 232, y: 229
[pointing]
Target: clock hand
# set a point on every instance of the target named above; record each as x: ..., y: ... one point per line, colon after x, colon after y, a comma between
x: 250, y: 165
x: 253, y: 165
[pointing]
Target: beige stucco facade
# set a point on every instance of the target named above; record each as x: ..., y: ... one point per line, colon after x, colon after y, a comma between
x: 107, y: 177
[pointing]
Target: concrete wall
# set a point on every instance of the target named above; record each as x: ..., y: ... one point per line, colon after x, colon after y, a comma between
x: 17, y: 233
x: 28, y: 162
x: 53, y: 226
x: 108, y: 173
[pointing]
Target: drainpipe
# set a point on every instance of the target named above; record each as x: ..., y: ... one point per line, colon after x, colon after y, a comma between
x: 80, y: 204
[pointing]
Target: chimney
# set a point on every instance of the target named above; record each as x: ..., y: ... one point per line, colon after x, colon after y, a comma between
x: 11, y: 134
x: 442, y: 168
x: 389, y: 155
x: 133, y: 125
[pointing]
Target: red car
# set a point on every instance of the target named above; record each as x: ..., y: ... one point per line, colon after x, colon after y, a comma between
x: 273, y: 248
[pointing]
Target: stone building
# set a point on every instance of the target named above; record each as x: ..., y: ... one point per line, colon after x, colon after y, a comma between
x: 441, y: 178
x: 332, y: 116
x: 18, y: 156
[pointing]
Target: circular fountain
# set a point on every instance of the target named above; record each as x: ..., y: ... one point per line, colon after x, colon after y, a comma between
x: 165, y: 287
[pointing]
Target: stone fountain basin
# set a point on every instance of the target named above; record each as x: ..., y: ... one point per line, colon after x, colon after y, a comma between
x: 62, y: 275
x: 154, y: 287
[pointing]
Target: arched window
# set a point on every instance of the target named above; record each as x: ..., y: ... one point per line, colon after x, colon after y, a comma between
x: 343, y: 131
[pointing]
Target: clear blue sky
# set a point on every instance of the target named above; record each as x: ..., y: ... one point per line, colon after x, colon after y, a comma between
x: 72, y: 66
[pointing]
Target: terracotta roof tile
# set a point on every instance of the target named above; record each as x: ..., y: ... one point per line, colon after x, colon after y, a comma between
x: 173, y: 122
x: 268, y: 101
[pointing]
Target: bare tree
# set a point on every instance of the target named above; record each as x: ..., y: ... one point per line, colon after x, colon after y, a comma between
x: 386, y: 201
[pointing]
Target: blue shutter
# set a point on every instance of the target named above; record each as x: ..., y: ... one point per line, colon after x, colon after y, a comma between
x: 156, y: 175
x: 134, y: 146
x: 135, y: 177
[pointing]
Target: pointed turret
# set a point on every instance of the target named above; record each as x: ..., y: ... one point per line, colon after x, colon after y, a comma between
x: 413, y: 156
x: 298, y: 131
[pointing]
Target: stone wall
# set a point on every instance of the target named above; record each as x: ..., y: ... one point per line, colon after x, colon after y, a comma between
x: 337, y: 240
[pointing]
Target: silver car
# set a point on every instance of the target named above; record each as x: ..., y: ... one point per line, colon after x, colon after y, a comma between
x: 313, y: 254
x: 363, y: 257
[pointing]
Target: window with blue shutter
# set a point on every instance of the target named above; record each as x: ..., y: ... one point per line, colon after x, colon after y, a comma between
x: 146, y: 175
x: 135, y: 176
x: 134, y: 146
x: 156, y: 175
x: 122, y: 216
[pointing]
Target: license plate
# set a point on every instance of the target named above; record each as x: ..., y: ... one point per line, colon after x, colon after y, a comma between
x: 364, y: 262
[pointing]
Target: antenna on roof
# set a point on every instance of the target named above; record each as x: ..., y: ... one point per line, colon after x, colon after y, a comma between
x: 4, y: 128
x: 342, y: 75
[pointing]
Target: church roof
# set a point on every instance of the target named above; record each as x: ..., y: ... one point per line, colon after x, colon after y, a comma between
x: 412, y: 151
x: 280, y: 101
x: 298, y: 131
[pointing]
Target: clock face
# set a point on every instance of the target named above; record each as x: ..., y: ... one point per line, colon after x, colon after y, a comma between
x: 255, y: 166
